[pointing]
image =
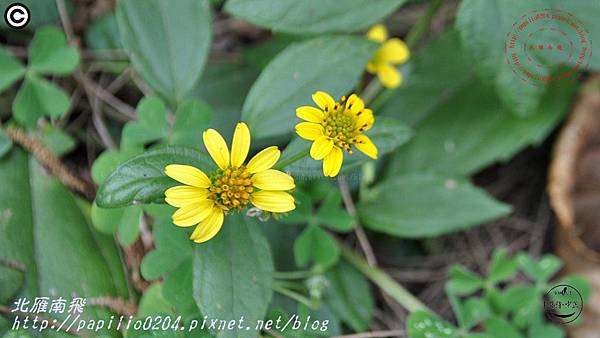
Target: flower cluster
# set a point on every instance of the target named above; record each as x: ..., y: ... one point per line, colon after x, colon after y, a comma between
x: 333, y: 127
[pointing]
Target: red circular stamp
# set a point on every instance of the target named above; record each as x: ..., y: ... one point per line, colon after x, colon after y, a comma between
x: 547, y: 46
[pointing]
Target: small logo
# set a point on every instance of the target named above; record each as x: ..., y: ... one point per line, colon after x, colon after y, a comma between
x: 563, y: 304
x: 543, y: 40
x: 17, y: 15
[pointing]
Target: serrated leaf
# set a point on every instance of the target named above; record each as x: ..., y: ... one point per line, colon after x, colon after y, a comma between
x: 315, y: 244
x: 425, y: 205
x: 141, y: 179
x: 36, y: 98
x: 50, y: 54
x: 233, y: 274
x: 421, y: 324
x: 350, y: 296
x: 296, y: 73
x: 306, y: 16
x: 167, y: 41
x: 11, y: 69
x: 463, y: 281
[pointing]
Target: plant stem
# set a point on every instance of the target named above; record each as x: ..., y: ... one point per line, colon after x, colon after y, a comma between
x: 293, y: 295
x: 293, y: 274
x: 293, y: 158
x: 385, y: 282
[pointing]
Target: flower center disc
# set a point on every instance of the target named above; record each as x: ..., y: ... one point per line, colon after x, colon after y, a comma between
x: 231, y: 188
x: 340, y: 126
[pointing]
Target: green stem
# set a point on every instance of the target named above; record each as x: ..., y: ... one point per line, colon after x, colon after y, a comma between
x: 293, y: 274
x: 292, y: 158
x: 293, y: 295
x: 385, y: 282
x: 423, y: 24
x: 375, y: 87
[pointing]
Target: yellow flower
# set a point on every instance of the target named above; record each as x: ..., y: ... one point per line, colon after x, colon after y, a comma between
x: 391, y: 53
x: 336, y: 126
x: 206, y: 200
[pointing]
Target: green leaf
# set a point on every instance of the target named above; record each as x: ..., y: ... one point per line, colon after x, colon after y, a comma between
x: 475, y: 310
x: 103, y: 35
x: 350, y: 296
x: 36, y: 98
x: 462, y: 281
x: 402, y: 206
x: 315, y: 244
x: 125, y: 222
x: 304, y: 209
x: 442, y: 95
x: 546, y: 331
x: 259, y: 56
x: 498, y: 327
x: 173, y: 248
x: 541, y: 270
x: 141, y: 179
x: 56, y: 139
x: 525, y: 304
x: 224, y: 86
x: 11, y: 69
x: 109, y: 160
x: 306, y: 16
x: 387, y: 134
x: 502, y: 267
x: 333, y: 215
x: 192, y: 117
x: 296, y: 73
x: 167, y: 41
x: 233, y: 273
x: 5, y: 144
x: 178, y: 289
x: 423, y: 324
x: 151, y: 124
x: 44, y: 228
x: 50, y: 54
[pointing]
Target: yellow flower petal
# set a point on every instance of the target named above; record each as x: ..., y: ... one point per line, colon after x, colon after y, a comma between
x: 355, y: 104
x: 367, y: 146
x: 323, y: 100
x: 192, y: 214
x: 394, y: 51
x: 377, y: 33
x: 187, y: 174
x: 183, y: 195
x: 309, y: 131
x: 321, y: 147
x: 217, y: 148
x: 333, y: 162
x: 209, y: 226
x: 310, y: 114
x: 264, y: 160
x: 273, y: 201
x: 240, y: 145
x: 365, y: 120
x: 273, y: 180
x: 389, y: 76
